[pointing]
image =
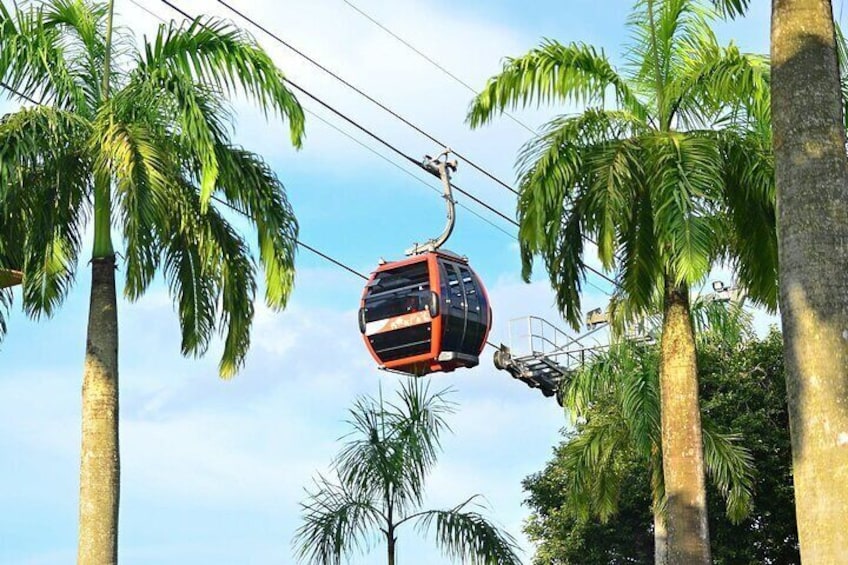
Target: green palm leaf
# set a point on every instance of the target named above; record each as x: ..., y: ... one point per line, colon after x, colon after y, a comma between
x: 553, y: 73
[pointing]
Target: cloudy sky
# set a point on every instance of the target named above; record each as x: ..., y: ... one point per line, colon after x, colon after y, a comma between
x: 212, y: 470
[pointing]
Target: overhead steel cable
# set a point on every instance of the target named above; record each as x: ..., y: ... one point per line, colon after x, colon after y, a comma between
x: 379, y: 104
x: 365, y: 130
x: 430, y: 60
x: 362, y: 93
x: 370, y: 149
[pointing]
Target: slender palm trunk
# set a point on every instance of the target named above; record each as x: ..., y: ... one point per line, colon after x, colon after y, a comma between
x: 682, y: 447
x: 812, y: 199
x: 391, y: 547
x: 100, y: 467
x: 390, y: 532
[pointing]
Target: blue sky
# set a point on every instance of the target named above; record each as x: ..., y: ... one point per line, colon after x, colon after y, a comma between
x: 213, y: 470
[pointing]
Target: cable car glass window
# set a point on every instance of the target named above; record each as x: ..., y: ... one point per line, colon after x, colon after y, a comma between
x: 454, y: 287
x: 472, y: 295
x: 397, y: 292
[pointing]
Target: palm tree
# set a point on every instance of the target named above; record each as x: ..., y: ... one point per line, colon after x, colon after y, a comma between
x: 812, y: 188
x: 668, y: 168
x: 615, y: 405
x: 138, y: 142
x: 379, y: 487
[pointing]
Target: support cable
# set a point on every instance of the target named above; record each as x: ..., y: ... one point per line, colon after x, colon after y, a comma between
x: 362, y: 93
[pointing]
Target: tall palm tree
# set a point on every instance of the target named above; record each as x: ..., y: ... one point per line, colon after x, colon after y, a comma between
x: 668, y: 168
x: 136, y: 143
x: 614, y: 403
x: 379, y: 487
x: 812, y: 188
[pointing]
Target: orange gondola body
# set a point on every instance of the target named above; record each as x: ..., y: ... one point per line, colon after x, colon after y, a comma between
x: 425, y: 314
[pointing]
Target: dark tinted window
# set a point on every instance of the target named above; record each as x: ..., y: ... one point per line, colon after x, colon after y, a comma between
x: 397, y: 292
x: 472, y: 293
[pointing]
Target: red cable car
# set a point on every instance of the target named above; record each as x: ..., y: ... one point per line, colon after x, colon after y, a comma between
x: 429, y: 312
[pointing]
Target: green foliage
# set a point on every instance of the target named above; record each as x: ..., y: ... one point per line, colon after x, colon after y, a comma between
x: 379, y: 486
x: 150, y: 157
x: 668, y: 166
x: 743, y: 403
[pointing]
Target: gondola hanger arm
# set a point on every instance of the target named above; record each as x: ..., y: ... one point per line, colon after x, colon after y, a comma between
x: 442, y: 168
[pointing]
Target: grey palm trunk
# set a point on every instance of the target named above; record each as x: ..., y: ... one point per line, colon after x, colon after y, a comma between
x: 682, y: 444
x: 100, y: 466
x: 812, y: 197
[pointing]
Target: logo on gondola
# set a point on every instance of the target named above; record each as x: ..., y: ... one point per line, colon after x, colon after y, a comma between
x: 398, y: 322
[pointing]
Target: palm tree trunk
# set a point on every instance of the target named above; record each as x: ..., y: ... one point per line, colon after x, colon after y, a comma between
x: 100, y: 468
x: 391, y: 550
x: 660, y: 539
x: 682, y: 447
x: 812, y: 192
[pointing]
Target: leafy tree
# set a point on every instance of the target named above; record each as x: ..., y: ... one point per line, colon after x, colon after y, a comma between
x: 136, y: 143
x: 379, y: 487
x: 811, y: 176
x: 668, y: 169
x: 742, y: 388
x: 615, y: 402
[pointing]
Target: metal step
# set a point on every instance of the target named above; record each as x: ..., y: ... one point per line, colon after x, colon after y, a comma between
x: 534, y: 371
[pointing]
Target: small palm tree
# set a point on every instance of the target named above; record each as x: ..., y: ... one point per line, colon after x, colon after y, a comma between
x: 379, y: 487
x: 669, y: 170
x: 136, y: 143
x: 615, y: 404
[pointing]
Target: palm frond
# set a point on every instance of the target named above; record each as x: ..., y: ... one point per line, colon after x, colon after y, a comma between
x: 686, y: 181
x: 335, y: 523
x: 726, y: 324
x: 82, y: 28
x: 553, y: 72
x: 393, y: 447
x: 591, y: 459
x: 469, y: 537
x: 662, y: 31
x: 5, y: 305
x: 44, y: 191
x: 250, y: 185
x: 722, y: 85
x: 138, y: 160
x: 749, y: 194
x: 216, y: 54
x: 554, y: 171
x: 730, y: 465
x: 33, y: 60
x: 732, y: 8
x: 207, y: 263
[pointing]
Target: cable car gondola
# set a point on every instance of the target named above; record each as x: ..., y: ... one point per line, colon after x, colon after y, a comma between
x: 429, y: 312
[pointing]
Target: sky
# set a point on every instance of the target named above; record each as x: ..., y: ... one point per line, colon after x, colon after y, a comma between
x: 213, y: 470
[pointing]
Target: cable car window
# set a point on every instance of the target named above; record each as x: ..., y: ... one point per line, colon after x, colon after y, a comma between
x: 400, y: 291
x: 454, y: 287
x: 472, y: 295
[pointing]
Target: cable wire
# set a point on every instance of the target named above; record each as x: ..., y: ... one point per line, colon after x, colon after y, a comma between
x: 430, y: 60
x: 379, y: 104
x: 404, y: 171
x: 360, y: 92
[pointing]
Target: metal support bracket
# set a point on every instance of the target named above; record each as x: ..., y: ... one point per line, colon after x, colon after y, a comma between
x: 441, y: 168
